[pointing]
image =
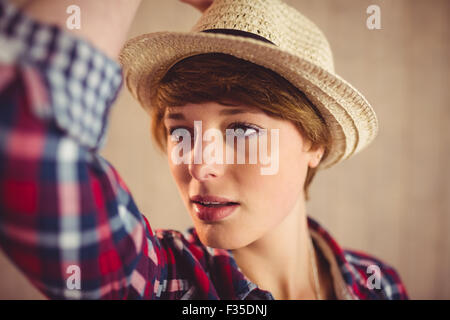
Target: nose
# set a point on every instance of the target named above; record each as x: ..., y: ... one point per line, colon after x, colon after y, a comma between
x: 201, y: 169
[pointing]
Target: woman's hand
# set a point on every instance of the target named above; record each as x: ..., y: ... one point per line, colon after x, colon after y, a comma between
x: 201, y: 5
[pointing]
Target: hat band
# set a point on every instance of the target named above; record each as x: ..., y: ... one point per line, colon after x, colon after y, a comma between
x: 239, y: 33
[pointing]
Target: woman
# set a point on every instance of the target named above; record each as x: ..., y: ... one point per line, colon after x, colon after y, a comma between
x: 232, y: 55
x: 250, y: 70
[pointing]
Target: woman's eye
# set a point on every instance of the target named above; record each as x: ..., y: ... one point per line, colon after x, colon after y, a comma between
x: 178, y: 132
x: 238, y: 129
x: 244, y: 129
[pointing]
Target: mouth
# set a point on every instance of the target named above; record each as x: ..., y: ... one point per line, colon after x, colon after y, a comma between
x: 213, y: 208
x: 214, y: 204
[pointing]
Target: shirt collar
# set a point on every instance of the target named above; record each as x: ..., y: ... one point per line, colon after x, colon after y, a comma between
x: 341, y: 271
x: 231, y: 283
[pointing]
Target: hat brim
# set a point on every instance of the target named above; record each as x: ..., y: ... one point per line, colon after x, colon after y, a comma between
x: 353, y: 123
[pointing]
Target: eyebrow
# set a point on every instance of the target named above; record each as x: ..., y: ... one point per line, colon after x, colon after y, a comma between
x: 227, y: 111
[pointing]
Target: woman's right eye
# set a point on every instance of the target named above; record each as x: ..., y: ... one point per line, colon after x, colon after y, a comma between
x: 179, y: 132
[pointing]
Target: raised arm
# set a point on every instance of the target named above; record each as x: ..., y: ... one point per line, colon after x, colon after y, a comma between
x: 104, y: 23
x: 64, y: 211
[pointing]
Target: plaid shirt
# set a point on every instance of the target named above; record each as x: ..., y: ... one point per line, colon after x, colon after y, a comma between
x: 63, y: 205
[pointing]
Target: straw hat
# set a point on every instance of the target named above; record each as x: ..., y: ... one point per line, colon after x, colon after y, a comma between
x: 271, y: 34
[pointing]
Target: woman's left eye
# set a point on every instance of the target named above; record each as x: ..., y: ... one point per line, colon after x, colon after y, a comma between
x: 244, y: 129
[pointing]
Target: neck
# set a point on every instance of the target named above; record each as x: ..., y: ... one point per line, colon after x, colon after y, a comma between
x: 280, y: 262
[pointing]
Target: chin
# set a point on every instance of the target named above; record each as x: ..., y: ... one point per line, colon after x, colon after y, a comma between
x: 220, y: 237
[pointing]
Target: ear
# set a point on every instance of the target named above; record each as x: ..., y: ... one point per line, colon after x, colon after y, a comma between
x: 315, y: 157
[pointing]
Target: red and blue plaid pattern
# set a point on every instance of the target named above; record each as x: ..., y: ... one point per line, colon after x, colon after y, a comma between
x: 62, y: 204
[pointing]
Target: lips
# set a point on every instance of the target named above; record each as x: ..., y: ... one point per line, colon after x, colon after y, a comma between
x: 211, y: 208
x: 209, y: 199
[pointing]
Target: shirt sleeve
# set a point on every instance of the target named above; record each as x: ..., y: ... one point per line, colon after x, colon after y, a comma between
x: 67, y: 220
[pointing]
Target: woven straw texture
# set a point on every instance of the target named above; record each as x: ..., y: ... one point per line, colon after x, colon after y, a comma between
x: 300, y: 53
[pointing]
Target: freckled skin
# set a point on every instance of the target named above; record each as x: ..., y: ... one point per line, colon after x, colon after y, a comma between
x: 265, y: 200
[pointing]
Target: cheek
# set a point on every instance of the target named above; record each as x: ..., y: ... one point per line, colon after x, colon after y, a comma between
x: 277, y: 195
x: 180, y: 174
x: 284, y: 188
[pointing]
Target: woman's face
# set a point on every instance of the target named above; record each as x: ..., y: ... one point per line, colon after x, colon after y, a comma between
x: 234, y: 204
